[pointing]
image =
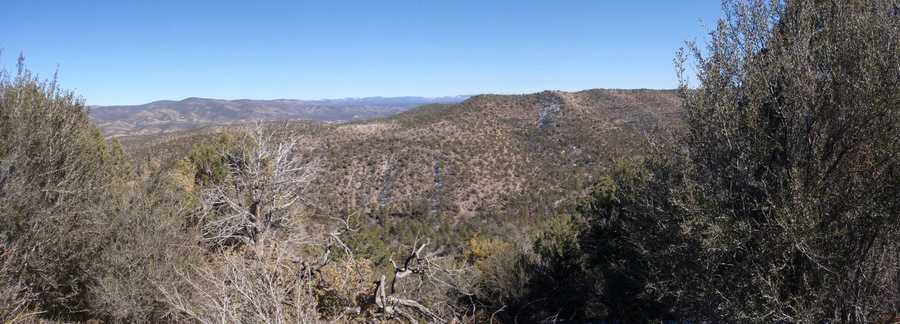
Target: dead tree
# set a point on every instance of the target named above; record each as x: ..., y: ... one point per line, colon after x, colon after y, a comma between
x: 266, y: 180
x: 275, y: 282
x: 384, y: 299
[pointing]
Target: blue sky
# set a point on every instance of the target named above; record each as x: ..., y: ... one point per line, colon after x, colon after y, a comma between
x: 133, y: 52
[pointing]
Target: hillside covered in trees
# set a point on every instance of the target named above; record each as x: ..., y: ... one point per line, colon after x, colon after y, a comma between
x: 489, y: 153
x: 765, y: 189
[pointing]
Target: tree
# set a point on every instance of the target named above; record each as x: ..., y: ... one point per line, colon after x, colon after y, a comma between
x: 252, y: 186
x: 794, y: 159
x: 638, y: 253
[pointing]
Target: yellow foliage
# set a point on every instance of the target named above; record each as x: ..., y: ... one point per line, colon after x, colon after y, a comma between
x: 184, y: 175
x: 346, y: 284
x: 348, y: 279
x: 478, y: 249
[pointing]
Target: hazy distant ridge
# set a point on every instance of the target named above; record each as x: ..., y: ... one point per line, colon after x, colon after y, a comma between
x: 167, y: 115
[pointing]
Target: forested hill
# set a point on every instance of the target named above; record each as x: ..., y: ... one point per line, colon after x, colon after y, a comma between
x: 490, y: 153
x: 167, y: 115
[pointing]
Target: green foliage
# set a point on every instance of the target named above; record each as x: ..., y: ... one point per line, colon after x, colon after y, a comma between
x: 148, y: 244
x: 560, y: 272
x: 501, y: 285
x: 209, y: 160
x: 53, y: 172
x: 547, y: 281
x: 782, y: 196
x: 78, y: 240
x: 793, y: 148
x: 635, y: 241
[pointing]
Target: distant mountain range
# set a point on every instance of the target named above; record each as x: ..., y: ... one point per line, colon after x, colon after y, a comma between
x: 167, y: 115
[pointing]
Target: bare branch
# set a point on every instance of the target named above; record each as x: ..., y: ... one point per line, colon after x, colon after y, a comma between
x: 266, y: 179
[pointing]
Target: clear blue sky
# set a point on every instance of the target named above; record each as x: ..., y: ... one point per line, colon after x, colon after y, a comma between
x: 133, y: 52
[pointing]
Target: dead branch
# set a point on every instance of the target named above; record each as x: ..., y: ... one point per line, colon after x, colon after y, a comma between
x: 390, y: 306
x: 266, y: 181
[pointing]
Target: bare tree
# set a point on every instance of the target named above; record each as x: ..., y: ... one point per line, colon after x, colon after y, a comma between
x: 257, y: 276
x: 277, y: 282
x: 263, y: 284
x: 266, y: 180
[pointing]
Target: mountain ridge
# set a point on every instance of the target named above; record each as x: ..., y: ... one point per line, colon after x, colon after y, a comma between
x: 189, y: 113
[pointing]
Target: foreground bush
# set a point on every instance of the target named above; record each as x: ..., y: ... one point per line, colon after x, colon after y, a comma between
x: 779, y: 204
x: 56, y: 170
x: 80, y: 238
x: 793, y: 148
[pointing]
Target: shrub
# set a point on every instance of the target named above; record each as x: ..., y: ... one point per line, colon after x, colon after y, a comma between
x: 79, y: 239
x: 793, y: 148
x: 56, y: 173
